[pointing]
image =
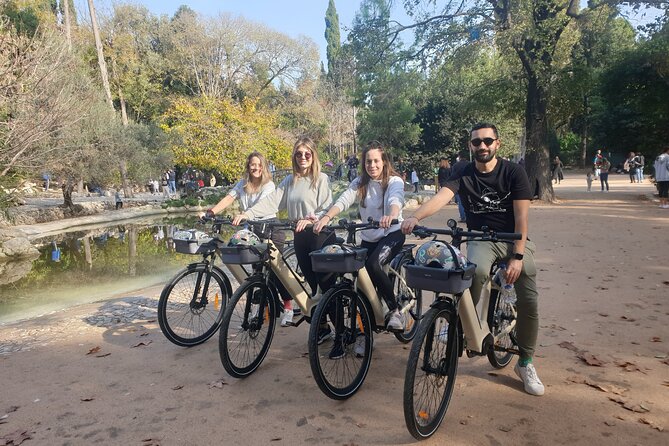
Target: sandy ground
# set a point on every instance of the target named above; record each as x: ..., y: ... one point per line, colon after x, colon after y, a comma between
x: 604, y: 282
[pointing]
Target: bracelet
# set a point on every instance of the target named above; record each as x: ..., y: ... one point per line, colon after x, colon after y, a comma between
x: 326, y: 215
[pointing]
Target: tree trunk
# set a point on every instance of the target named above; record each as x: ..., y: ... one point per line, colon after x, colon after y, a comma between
x: 68, y: 32
x: 537, y: 156
x: 584, y: 135
x: 101, y: 56
x: 68, y: 188
x: 123, y: 170
x: 124, y: 112
x: 132, y: 251
x: 87, y: 251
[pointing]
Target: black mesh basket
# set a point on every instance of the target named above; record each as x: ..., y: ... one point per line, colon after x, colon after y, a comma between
x: 450, y: 281
x: 193, y: 242
x: 244, y: 254
x: 348, y: 261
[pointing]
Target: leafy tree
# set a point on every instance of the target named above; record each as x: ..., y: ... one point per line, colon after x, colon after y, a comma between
x: 332, y: 36
x: 217, y: 134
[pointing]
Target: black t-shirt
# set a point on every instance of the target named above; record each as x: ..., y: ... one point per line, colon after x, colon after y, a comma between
x: 488, y: 197
x: 443, y: 175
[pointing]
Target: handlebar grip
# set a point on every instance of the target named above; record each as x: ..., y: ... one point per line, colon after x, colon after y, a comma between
x: 509, y: 235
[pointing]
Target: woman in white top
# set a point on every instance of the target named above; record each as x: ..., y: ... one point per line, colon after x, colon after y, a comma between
x: 380, y: 192
x: 255, y: 185
x: 306, y: 195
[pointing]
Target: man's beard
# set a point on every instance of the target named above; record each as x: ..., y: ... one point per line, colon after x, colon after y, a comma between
x: 482, y: 158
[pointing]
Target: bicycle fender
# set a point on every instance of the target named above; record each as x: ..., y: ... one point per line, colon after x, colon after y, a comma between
x: 397, y: 260
x: 226, y: 280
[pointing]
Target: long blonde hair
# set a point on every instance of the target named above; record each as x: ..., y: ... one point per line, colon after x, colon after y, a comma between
x: 315, y: 170
x: 387, y: 172
x: 265, y: 175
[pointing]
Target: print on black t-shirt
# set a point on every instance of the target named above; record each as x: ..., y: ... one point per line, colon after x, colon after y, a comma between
x: 488, y: 197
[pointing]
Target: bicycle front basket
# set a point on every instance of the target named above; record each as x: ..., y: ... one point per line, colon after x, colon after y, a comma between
x: 192, y: 241
x: 345, y: 260
x: 244, y: 254
x: 450, y: 281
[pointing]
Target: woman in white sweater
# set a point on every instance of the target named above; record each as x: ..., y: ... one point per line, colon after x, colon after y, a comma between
x: 306, y: 195
x: 380, y: 192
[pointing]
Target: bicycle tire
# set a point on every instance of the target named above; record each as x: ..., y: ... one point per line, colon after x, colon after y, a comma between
x: 500, y: 315
x: 187, y: 321
x: 245, y: 338
x: 341, y: 378
x: 411, y: 320
x: 431, y: 372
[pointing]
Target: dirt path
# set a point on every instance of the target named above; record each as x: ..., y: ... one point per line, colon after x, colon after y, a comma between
x: 604, y: 280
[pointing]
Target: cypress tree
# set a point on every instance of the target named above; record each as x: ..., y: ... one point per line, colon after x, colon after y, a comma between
x: 332, y: 36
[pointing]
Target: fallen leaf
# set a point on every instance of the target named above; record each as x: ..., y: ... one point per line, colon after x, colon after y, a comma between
x: 505, y: 428
x: 610, y: 423
x: 93, y: 350
x: 651, y: 424
x: 655, y: 339
x: 603, y: 314
x: 607, y: 388
x: 146, y: 333
x: 15, y: 438
x: 87, y: 399
x: 493, y: 373
x: 628, y: 319
x: 103, y: 355
x: 666, y: 361
x: 13, y: 409
x: 569, y: 346
x: 142, y: 344
x: 177, y: 387
x: 629, y: 366
x: 150, y: 442
x: 639, y: 408
x: 591, y: 360
x: 275, y: 439
x: 218, y: 384
x: 361, y: 425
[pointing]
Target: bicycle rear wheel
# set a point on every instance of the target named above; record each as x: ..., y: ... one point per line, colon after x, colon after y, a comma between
x: 401, y: 292
x: 501, y: 317
x: 431, y: 371
x: 247, y: 328
x: 191, y: 305
x: 341, y: 365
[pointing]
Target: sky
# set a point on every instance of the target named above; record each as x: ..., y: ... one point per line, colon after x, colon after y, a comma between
x: 292, y: 17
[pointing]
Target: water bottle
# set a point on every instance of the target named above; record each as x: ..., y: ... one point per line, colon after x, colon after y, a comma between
x: 507, y: 291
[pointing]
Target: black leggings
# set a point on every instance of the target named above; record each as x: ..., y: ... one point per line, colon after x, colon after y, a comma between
x: 604, y: 179
x: 379, y: 254
x: 307, y: 241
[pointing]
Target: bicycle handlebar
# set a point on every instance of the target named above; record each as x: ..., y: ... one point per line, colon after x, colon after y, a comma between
x: 350, y: 226
x: 486, y: 234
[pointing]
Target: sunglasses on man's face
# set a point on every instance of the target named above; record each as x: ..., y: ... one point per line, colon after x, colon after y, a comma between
x: 305, y: 155
x: 477, y: 141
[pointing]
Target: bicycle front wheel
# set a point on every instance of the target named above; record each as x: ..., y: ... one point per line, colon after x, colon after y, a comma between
x: 431, y: 371
x: 340, y: 343
x: 502, y: 323
x: 404, y: 296
x: 191, y: 306
x: 247, y: 328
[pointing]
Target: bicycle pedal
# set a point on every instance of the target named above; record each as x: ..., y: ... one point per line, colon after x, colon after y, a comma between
x: 295, y: 324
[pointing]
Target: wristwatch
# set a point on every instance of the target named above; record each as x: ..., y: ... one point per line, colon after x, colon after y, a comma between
x: 517, y: 256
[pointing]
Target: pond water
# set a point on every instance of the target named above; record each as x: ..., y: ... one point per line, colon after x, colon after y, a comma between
x: 91, y: 265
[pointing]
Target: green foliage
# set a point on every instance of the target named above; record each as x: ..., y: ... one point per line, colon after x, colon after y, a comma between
x: 213, y: 134
x: 570, y: 147
x: 332, y: 36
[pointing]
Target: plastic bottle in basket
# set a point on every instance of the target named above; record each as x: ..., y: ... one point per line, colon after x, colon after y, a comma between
x: 507, y: 290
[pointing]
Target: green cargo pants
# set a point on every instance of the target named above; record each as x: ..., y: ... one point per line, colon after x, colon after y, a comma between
x: 484, y: 254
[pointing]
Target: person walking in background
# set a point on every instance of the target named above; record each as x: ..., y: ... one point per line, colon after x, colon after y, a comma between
x: 596, y: 163
x: 461, y: 162
x: 444, y: 172
x: 118, y: 199
x: 639, y: 160
x: 604, y: 174
x: 172, y: 181
x: 557, y: 170
x: 588, y: 178
x: 631, y: 166
x: 662, y: 177
x: 414, y: 180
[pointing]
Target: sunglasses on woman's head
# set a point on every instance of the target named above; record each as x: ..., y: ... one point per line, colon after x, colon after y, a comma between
x: 305, y: 155
x: 477, y: 141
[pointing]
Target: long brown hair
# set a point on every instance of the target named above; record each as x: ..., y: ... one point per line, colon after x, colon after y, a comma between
x: 265, y: 176
x: 387, y: 172
x: 315, y: 169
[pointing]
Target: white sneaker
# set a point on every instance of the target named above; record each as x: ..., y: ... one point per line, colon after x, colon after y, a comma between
x: 396, y: 321
x: 287, y: 317
x: 359, y: 347
x: 528, y: 375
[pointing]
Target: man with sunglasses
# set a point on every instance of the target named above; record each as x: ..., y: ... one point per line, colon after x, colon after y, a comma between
x: 496, y: 193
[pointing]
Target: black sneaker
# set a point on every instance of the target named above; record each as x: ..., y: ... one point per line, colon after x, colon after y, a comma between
x: 324, y: 333
x: 337, y: 351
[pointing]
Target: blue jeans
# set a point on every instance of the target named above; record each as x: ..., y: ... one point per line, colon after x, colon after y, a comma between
x: 461, y: 208
x: 639, y: 174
